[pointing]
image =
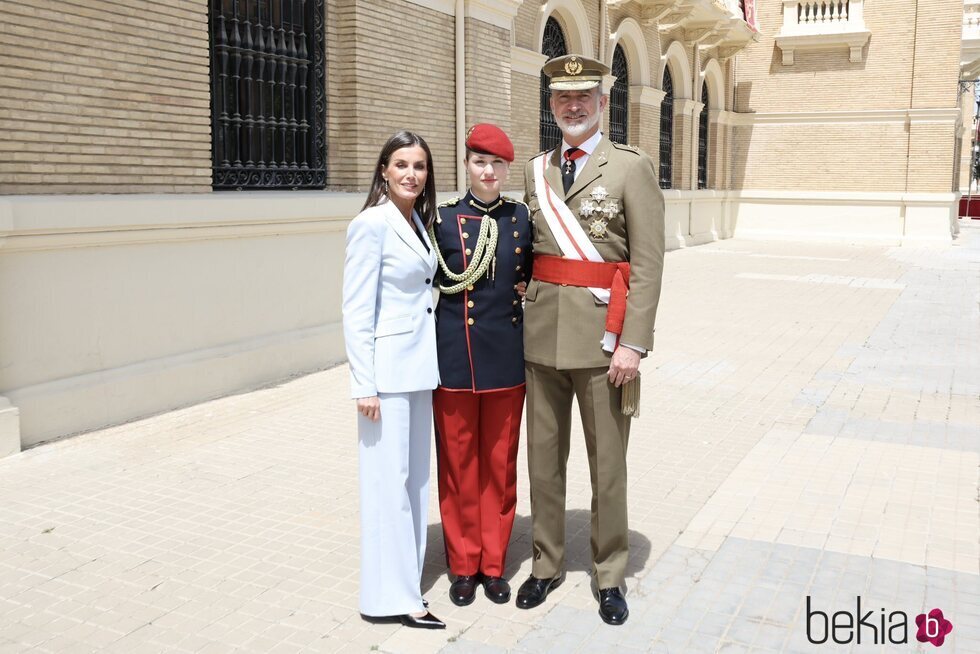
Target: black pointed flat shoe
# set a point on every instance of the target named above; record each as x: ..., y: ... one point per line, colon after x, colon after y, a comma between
x: 427, y: 621
x: 612, y: 606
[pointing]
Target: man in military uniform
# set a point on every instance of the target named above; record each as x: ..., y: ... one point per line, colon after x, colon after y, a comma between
x: 598, y: 216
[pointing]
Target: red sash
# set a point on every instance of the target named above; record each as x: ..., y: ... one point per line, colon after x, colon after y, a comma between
x: 614, y: 275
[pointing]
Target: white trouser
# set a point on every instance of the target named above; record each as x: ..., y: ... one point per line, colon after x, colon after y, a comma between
x: 394, y: 478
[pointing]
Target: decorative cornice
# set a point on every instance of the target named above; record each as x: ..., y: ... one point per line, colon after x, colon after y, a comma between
x: 698, y: 34
x: 948, y: 116
x: 847, y: 197
x: 951, y: 115
x: 495, y: 12
x: 48, y: 222
x: 853, y: 41
x: 652, y: 13
x: 647, y: 96
x: 528, y: 62
x: 442, y: 6
x: 686, y: 106
x: 721, y: 116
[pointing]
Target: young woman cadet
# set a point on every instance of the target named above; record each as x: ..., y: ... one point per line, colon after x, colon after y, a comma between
x: 389, y: 329
x: 483, y: 242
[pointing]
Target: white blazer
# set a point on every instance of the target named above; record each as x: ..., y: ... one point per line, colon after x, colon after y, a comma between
x: 389, y: 324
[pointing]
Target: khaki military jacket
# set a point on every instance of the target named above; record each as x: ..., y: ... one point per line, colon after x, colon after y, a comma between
x: 563, y: 325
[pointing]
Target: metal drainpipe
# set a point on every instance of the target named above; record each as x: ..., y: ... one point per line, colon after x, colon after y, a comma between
x: 603, y: 29
x: 460, y: 96
x: 695, y: 118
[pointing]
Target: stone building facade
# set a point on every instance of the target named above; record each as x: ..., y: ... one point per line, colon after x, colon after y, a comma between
x: 130, y: 284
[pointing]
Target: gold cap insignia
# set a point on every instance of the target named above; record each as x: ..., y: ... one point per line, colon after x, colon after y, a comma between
x: 574, y: 73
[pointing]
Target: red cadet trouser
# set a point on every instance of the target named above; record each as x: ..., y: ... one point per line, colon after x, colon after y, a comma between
x: 477, y: 435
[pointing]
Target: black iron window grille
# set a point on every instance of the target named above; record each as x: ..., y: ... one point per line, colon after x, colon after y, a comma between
x: 552, y: 45
x: 667, y: 132
x: 619, y: 98
x: 268, y: 100
x: 703, y: 140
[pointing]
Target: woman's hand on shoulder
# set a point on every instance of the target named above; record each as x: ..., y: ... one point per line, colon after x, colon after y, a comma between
x: 369, y: 407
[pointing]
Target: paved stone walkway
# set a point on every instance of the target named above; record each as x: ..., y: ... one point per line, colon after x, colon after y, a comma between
x: 810, y: 428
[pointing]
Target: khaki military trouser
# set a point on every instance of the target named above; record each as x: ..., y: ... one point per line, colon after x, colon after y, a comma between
x: 549, y: 414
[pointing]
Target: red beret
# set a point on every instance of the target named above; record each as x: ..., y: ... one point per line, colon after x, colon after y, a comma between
x: 490, y: 139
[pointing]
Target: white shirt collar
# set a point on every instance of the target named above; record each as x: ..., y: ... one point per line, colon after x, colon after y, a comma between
x: 589, y: 146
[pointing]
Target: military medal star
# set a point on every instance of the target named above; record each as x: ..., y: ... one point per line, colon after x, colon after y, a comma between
x: 597, y: 228
x: 603, y: 211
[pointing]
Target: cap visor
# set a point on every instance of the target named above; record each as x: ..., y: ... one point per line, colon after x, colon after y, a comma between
x: 582, y: 85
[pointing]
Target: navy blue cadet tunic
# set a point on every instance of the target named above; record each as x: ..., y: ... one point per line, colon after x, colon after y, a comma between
x: 480, y: 330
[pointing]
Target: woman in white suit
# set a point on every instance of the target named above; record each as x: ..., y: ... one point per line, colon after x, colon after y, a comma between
x: 389, y: 329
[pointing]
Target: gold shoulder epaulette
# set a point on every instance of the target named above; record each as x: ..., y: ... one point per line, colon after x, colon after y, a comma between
x: 515, y: 201
x: 627, y: 147
x: 450, y: 202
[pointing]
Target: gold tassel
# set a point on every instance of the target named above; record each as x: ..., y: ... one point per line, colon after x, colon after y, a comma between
x: 630, y: 400
x: 493, y: 269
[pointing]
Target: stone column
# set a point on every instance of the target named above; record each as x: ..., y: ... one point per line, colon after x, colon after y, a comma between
x: 525, y: 80
x: 644, y: 127
x: 685, y: 143
x: 719, y: 149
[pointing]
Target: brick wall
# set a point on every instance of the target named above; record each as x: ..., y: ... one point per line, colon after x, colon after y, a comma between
x: 936, y: 69
x: 931, y: 152
x: 821, y: 157
x: 524, y: 110
x: 827, y: 80
x: 525, y: 23
x: 387, y: 75
x: 98, y: 98
x: 488, y: 93
x: 908, y: 63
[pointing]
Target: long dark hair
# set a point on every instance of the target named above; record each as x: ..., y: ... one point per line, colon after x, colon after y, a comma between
x: 425, y: 203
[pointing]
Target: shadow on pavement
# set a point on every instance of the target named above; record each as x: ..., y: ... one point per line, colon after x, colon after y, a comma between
x: 578, y: 553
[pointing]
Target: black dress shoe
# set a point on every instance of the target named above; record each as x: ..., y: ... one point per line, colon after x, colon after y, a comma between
x: 427, y: 621
x: 534, y: 591
x: 496, y: 589
x: 463, y: 590
x: 612, y: 606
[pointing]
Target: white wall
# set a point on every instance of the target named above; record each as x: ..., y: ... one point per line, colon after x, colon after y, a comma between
x: 851, y: 217
x: 116, y: 307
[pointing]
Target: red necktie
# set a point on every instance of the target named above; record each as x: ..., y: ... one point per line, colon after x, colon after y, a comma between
x: 568, y: 168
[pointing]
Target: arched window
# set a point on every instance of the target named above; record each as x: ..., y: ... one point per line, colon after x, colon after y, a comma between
x: 552, y: 45
x: 619, y: 97
x: 667, y: 132
x: 703, y: 140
